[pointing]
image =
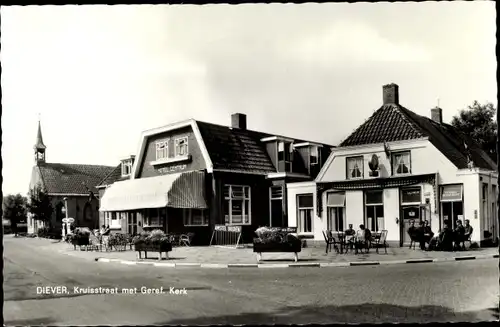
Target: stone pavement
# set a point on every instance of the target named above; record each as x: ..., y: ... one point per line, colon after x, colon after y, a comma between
x: 314, y: 256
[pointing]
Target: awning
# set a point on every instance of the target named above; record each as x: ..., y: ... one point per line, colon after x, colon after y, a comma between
x: 181, y: 190
x: 451, y: 193
x: 335, y: 199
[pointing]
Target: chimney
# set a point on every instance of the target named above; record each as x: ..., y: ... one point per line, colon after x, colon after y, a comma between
x: 391, y: 93
x: 239, y: 121
x: 437, y: 115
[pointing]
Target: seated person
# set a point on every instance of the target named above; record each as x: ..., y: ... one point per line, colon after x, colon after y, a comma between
x: 350, y: 231
x: 428, y: 233
x: 459, y: 232
x: 467, y: 229
x: 412, y: 230
x: 419, y: 235
x: 446, y: 239
x: 362, y: 238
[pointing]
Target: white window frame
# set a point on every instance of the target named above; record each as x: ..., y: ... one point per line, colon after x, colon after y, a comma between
x: 290, y: 154
x: 397, y: 159
x: 152, y: 218
x: 162, y: 149
x: 187, y: 218
x: 231, y: 197
x: 271, y: 199
x: 115, y: 221
x: 314, y: 150
x: 332, y: 224
x: 300, y: 227
x: 178, y: 146
x: 127, y: 165
x: 361, y: 165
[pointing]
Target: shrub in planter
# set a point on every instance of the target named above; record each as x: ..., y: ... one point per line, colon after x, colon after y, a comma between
x: 80, y: 237
x: 118, y: 240
x: 275, y: 240
x: 155, y: 241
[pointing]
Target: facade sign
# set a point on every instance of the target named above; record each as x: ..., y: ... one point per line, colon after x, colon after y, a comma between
x: 412, y: 195
x: 451, y: 193
x: 172, y: 169
x: 224, y: 228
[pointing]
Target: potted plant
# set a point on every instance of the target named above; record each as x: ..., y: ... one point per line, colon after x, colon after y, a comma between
x: 80, y: 237
x: 118, y: 241
x: 276, y: 240
x: 155, y: 241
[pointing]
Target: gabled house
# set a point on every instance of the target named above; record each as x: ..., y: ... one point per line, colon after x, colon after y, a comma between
x: 71, y: 187
x: 191, y: 175
x: 399, y: 166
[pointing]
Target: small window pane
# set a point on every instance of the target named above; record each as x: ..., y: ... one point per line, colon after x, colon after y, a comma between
x: 306, y: 201
x: 374, y: 197
x: 276, y: 192
x: 237, y: 191
x: 226, y: 191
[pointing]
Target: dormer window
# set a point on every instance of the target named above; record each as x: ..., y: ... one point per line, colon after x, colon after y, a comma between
x: 285, y: 156
x: 126, y: 167
x: 314, y: 155
x: 354, y: 167
x: 162, y: 149
x: 181, y: 146
x: 401, y: 163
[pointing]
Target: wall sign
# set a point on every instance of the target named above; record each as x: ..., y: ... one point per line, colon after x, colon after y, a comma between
x: 224, y: 228
x: 172, y: 169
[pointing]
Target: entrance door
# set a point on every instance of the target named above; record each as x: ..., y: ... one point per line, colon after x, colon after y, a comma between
x: 132, y: 223
x: 452, y: 211
x: 409, y: 213
x: 276, y: 213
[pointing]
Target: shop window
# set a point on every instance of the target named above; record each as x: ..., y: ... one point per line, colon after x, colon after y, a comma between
x: 154, y: 217
x: 115, y: 219
x: 285, y: 156
x: 237, y: 205
x: 314, y: 155
x: 194, y: 217
x: 305, y: 205
x: 161, y: 149
x: 354, y: 167
x: 374, y: 210
x: 181, y: 146
x: 401, y: 163
x: 126, y: 167
x: 335, y: 203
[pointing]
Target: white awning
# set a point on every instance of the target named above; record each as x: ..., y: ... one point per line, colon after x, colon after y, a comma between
x: 181, y: 190
x: 335, y: 199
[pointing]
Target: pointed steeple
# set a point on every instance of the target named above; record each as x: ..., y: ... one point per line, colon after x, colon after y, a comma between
x: 39, y: 147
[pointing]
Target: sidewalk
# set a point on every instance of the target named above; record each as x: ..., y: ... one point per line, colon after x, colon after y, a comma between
x: 207, y: 256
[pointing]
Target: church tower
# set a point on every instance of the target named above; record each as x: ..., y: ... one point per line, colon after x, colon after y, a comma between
x: 39, y: 146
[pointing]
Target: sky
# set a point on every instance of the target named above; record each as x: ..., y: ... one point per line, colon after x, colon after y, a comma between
x: 97, y: 76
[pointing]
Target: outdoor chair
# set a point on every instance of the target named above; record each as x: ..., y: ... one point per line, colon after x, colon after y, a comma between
x: 381, y: 241
x: 185, y: 239
x: 461, y: 244
x: 329, y: 240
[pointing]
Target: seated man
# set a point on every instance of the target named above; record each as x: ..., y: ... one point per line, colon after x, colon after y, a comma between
x: 459, y: 233
x: 467, y: 229
x: 362, y: 238
x: 446, y: 239
x: 419, y: 235
x: 428, y: 233
x: 350, y: 231
x: 412, y: 230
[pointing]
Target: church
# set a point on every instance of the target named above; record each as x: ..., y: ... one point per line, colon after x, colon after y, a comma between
x: 71, y: 188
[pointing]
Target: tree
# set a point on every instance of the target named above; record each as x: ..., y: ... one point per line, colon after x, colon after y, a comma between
x: 14, y: 209
x: 39, y: 205
x: 479, y: 121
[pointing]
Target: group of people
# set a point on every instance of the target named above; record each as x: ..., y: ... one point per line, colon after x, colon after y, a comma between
x: 446, y: 240
x: 103, y: 233
x: 359, y: 239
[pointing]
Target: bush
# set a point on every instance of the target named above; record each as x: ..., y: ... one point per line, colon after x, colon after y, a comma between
x: 52, y: 233
x: 154, y: 238
x: 266, y: 235
x: 118, y: 240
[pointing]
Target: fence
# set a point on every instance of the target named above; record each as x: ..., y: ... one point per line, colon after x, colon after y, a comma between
x: 226, y: 236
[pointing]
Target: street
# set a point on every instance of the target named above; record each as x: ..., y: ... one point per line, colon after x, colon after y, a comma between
x: 440, y: 292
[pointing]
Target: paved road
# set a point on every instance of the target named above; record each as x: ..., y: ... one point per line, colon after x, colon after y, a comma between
x: 455, y: 291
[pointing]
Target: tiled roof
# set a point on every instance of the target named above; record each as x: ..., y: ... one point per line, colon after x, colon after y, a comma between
x: 395, y: 123
x: 114, y: 176
x: 238, y: 150
x: 72, y: 178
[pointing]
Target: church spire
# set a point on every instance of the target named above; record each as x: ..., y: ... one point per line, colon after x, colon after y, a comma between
x: 39, y: 146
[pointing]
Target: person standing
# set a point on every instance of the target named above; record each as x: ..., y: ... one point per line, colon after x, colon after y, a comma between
x: 419, y: 233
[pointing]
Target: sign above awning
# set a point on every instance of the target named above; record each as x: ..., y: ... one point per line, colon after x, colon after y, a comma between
x: 451, y: 193
x: 181, y: 190
x: 335, y: 199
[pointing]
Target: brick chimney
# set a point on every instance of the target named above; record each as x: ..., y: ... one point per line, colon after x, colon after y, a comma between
x: 391, y: 93
x: 437, y: 115
x: 239, y: 121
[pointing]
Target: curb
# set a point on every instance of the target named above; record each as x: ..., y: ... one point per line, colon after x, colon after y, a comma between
x: 293, y: 265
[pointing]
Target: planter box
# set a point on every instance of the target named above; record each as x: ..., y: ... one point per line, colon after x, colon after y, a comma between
x: 260, y: 248
x: 160, y: 248
x: 80, y: 241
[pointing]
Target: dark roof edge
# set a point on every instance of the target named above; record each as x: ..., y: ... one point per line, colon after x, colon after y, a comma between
x: 269, y: 134
x: 111, y: 172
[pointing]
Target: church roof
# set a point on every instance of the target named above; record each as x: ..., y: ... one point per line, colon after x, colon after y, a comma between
x: 76, y: 179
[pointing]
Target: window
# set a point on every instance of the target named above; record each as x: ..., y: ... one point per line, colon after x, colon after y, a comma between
x: 115, y: 219
x: 181, y: 146
x: 314, y: 155
x: 355, y: 167
x: 486, y: 216
x: 374, y: 210
x: 276, y: 206
x: 284, y: 156
x: 335, y: 203
x: 305, y: 213
x: 401, y: 163
x: 126, y: 167
x: 162, y: 150
x: 154, y: 217
x: 237, y: 208
x: 194, y: 217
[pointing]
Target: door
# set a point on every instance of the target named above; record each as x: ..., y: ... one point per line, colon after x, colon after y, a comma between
x: 409, y: 213
x: 452, y: 211
x: 132, y: 223
x: 276, y: 213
